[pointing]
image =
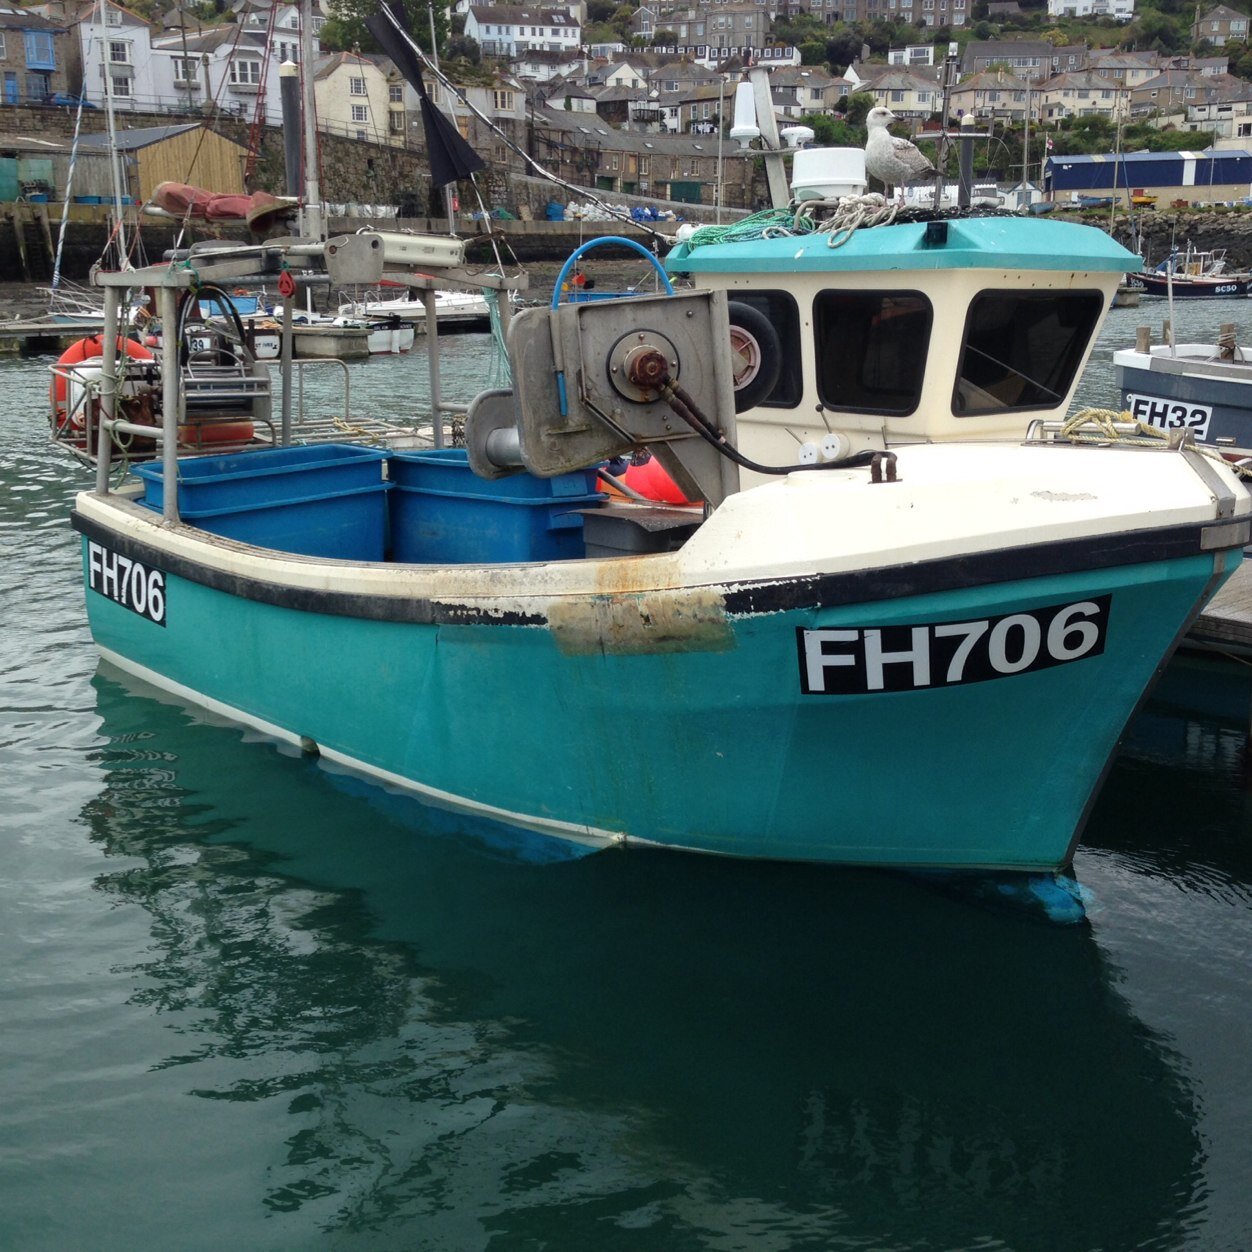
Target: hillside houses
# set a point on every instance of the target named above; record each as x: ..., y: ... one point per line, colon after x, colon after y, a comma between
x: 1084, y: 94
x: 1218, y: 24
x: 992, y: 94
x: 504, y: 30
x: 623, y: 118
x: 907, y: 93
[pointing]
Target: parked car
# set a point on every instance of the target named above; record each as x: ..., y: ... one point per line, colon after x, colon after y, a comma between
x: 65, y: 100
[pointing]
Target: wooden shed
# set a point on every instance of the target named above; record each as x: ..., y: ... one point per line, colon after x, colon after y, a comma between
x: 190, y: 153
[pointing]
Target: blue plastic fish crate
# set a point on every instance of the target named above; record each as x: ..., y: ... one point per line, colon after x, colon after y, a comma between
x: 443, y: 513
x: 328, y: 500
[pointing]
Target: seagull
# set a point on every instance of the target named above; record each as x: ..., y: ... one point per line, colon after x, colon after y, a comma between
x: 893, y: 161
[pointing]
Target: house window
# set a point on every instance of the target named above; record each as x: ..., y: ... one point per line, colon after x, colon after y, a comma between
x: 897, y: 97
x: 356, y: 86
x: 123, y: 87
x: 396, y: 123
x: 119, y: 52
x: 245, y: 72
x: 288, y: 51
x: 502, y: 101
x: 185, y: 69
x: 395, y: 94
x: 3, y: 51
x: 112, y: 16
x: 360, y: 113
x: 645, y: 166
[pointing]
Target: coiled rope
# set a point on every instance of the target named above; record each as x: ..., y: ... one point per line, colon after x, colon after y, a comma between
x: 1094, y: 425
x: 767, y: 224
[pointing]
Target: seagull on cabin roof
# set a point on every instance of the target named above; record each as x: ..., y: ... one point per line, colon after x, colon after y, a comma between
x: 892, y: 161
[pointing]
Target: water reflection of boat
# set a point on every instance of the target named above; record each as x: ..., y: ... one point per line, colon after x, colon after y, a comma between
x: 697, y: 1047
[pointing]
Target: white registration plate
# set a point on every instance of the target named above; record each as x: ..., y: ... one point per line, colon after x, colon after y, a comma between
x: 1171, y: 414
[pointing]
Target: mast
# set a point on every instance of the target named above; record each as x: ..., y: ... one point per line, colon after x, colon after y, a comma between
x: 1026, y: 145
x: 311, y: 224
x: 941, y: 156
x: 115, y: 172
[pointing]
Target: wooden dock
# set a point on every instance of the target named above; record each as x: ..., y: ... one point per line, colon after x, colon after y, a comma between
x: 36, y: 336
x: 1226, y: 625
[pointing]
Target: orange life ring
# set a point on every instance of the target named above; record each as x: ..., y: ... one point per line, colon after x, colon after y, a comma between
x: 59, y: 388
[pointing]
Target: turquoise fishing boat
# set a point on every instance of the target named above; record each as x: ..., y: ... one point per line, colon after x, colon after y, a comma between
x: 904, y: 624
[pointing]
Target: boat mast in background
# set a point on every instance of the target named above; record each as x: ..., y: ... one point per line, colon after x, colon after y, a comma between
x: 115, y: 170
x: 312, y: 225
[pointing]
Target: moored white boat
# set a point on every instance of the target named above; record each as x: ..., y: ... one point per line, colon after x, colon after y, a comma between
x: 454, y: 310
x: 1202, y: 388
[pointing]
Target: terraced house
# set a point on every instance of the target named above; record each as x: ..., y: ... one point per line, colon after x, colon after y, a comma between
x: 505, y: 30
x: 29, y: 44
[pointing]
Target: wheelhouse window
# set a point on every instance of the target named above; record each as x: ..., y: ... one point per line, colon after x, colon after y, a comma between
x: 779, y: 308
x: 1022, y: 349
x: 871, y: 349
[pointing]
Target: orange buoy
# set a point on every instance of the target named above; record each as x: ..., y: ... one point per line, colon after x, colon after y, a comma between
x: 68, y: 415
x: 650, y: 479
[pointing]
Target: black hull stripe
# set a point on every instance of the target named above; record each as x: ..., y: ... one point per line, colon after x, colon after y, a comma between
x: 892, y: 582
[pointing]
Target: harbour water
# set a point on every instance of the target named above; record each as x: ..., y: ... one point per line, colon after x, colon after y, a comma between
x: 250, y: 1002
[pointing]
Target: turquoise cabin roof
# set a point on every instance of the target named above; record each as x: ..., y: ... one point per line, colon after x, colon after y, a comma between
x: 1017, y: 243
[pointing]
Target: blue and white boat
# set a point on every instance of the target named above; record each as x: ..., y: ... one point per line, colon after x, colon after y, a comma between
x: 905, y: 627
x: 1202, y: 388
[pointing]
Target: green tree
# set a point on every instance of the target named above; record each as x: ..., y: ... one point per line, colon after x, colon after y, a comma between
x: 345, y: 26
x: 844, y: 46
x: 830, y: 131
x: 859, y: 104
x: 464, y: 48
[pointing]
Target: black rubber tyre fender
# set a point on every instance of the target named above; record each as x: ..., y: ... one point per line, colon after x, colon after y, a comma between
x: 756, y: 354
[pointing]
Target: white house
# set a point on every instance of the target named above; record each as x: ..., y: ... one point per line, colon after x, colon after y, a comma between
x: 1118, y: 10
x: 353, y: 98
x: 505, y: 30
x: 121, y: 46
x: 221, y: 63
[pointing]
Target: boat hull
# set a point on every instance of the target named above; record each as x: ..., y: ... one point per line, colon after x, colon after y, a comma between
x: 725, y: 735
x: 1219, y: 288
x: 1193, y: 390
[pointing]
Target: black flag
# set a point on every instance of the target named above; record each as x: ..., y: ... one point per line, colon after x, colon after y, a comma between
x: 450, y: 156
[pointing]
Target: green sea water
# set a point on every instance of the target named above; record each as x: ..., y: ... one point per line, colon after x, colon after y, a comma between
x: 252, y: 1002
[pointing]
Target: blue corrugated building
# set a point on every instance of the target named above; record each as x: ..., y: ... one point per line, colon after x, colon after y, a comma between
x: 1210, y: 175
